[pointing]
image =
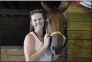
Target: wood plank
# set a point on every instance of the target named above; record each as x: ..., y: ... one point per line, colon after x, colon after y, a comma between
x: 15, y: 58
x: 79, y: 35
x: 79, y: 59
x: 20, y: 58
x: 78, y: 26
x: 12, y: 50
x: 11, y: 5
x: 76, y: 9
x: 80, y: 17
x: 79, y: 44
x: 22, y: 4
x: 15, y: 52
x: 14, y: 11
x: 12, y: 22
x: 12, y: 53
x: 79, y: 53
x: 11, y: 58
x: 3, y: 54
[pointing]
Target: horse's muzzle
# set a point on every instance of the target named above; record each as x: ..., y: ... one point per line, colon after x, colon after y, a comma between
x: 57, y: 42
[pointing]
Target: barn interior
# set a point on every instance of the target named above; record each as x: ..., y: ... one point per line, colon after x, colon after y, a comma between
x: 15, y: 18
x: 14, y: 25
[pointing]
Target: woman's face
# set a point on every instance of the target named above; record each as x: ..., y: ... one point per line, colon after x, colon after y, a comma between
x: 37, y: 21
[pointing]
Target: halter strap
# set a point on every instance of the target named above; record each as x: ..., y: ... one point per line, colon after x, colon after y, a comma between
x: 57, y: 32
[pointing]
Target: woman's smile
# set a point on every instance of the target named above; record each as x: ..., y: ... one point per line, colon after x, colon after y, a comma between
x: 37, y: 21
x: 39, y: 25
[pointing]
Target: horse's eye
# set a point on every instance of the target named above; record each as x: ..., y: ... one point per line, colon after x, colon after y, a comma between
x: 49, y: 21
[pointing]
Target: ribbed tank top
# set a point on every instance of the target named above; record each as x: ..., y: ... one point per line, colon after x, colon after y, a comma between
x: 38, y: 44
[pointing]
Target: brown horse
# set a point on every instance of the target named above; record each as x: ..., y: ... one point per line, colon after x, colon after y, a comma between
x: 55, y: 26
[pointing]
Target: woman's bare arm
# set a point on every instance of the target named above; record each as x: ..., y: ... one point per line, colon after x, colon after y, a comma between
x: 29, y: 49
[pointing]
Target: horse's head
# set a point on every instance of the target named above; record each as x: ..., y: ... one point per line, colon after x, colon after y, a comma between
x: 55, y: 25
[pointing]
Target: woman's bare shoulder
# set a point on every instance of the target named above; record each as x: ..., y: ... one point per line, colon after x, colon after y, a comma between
x: 29, y: 38
x: 29, y: 48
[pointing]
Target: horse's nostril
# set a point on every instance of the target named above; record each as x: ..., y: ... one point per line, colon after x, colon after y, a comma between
x: 53, y: 47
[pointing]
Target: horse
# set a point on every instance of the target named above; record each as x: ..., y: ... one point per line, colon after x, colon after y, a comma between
x: 55, y: 26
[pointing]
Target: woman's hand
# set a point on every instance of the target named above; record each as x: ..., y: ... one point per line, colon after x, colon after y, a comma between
x: 46, y: 39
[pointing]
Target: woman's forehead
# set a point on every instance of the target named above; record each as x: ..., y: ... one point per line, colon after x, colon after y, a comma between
x: 37, y: 15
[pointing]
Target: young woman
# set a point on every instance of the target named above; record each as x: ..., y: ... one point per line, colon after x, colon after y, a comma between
x: 36, y: 42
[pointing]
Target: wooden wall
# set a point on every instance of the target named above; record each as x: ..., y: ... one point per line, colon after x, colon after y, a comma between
x: 79, y: 35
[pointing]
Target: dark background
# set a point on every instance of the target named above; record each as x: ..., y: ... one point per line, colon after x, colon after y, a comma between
x: 14, y: 20
x: 26, y: 4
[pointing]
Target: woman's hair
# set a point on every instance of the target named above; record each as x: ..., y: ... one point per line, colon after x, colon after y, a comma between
x: 44, y: 16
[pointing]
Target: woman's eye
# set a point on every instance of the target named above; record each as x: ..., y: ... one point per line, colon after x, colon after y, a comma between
x: 39, y: 18
x: 35, y: 20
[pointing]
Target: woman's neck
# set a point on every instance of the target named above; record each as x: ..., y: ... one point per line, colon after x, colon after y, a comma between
x: 39, y: 33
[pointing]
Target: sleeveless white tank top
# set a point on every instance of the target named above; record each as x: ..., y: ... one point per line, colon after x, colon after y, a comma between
x: 38, y: 44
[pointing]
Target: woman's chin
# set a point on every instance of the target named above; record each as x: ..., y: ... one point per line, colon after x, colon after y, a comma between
x: 38, y: 29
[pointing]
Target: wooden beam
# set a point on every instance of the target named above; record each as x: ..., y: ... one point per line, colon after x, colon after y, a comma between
x: 0, y: 5
x: 14, y: 11
x: 11, y: 5
x: 13, y: 22
x: 4, y: 15
x: 22, y: 5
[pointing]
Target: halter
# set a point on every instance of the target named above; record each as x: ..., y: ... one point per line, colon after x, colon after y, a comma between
x: 55, y: 50
x: 56, y: 32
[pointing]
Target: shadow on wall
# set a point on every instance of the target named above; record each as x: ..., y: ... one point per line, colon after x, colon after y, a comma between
x: 13, y: 30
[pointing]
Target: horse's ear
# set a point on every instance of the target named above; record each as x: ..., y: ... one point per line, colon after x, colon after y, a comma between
x: 64, y: 5
x: 45, y: 6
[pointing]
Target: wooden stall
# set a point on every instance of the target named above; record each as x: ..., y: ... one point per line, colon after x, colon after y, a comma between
x: 16, y: 24
x: 79, y: 33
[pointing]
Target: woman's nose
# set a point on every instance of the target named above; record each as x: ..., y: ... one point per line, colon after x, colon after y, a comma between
x: 37, y: 21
